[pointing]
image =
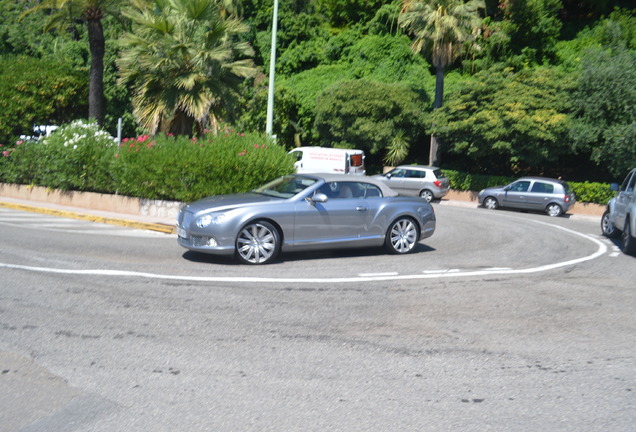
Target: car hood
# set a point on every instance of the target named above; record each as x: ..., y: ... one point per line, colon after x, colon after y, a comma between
x: 224, y: 202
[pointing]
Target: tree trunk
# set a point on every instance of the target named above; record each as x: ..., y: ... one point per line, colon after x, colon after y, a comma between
x: 439, y: 86
x: 96, y: 83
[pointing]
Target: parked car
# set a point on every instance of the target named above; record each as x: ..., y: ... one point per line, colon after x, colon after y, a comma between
x: 427, y: 182
x: 301, y: 212
x: 620, y: 216
x: 555, y: 197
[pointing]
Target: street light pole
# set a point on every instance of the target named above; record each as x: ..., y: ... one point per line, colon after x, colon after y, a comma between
x: 272, y: 64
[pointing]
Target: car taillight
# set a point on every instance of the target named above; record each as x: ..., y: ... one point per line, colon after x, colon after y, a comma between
x: 566, y: 199
x: 437, y: 183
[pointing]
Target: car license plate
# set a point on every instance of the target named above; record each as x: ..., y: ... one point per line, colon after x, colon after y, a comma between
x: 181, y: 232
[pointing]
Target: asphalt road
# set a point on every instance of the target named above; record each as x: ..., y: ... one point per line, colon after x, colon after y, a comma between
x: 502, y: 321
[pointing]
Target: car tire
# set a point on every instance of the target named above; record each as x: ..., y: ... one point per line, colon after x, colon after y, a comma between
x: 628, y: 245
x: 490, y: 203
x: 607, y: 227
x: 257, y: 243
x: 402, y: 236
x: 554, y: 210
x: 427, y: 195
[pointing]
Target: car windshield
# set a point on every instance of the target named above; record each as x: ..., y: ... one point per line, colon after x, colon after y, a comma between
x: 285, y: 187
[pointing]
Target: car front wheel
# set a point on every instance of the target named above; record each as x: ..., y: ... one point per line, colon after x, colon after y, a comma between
x: 554, y: 210
x: 402, y: 236
x: 427, y: 195
x: 491, y: 203
x: 257, y: 243
x: 628, y: 243
x: 607, y: 227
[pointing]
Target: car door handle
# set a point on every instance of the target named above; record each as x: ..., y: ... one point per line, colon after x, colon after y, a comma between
x: 361, y: 209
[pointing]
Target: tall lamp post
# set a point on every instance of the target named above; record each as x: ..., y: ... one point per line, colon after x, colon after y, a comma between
x: 272, y: 63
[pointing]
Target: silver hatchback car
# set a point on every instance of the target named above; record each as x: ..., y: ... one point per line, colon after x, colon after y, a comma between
x: 427, y: 182
x: 530, y: 193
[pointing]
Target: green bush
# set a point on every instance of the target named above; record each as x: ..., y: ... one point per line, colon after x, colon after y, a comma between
x: 77, y: 156
x: 38, y: 91
x: 183, y: 169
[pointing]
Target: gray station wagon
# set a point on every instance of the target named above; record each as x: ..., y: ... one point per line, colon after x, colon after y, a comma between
x: 427, y: 182
x: 530, y: 193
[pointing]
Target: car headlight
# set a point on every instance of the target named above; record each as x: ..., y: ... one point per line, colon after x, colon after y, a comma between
x: 210, y: 219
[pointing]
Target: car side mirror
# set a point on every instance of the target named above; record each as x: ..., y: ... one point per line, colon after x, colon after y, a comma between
x: 317, y: 198
x: 388, y: 175
x: 614, y: 186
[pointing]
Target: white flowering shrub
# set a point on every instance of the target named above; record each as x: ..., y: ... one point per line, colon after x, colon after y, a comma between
x: 77, y: 156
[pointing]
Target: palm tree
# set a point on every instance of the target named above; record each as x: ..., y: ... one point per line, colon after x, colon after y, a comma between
x: 184, y: 62
x: 92, y: 12
x: 440, y: 28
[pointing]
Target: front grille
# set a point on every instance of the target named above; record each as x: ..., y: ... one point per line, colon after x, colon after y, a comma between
x: 200, y: 241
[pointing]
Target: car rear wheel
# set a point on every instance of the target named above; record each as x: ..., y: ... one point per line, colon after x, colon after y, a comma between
x: 402, y: 236
x: 607, y: 227
x: 491, y: 203
x: 257, y: 243
x: 628, y: 245
x: 427, y: 195
x: 554, y: 210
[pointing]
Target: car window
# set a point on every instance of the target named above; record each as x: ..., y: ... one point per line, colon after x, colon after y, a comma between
x: 540, y: 187
x: 415, y: 174
x: 398, y: 172
x: 370, y: 191
x: 439, y: 174
x: 342, y: 190
x: 520, y: 186
x: 630, y: 186
x: 347, y: 190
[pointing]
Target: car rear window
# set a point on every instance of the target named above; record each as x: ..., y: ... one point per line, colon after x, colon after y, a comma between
x: 439, y: 174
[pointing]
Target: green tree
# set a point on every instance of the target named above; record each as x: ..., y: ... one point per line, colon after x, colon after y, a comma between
x: 508, y: 123
x: 368, y: 115
x: 38, y: 91
x: 184, y: 62
x: 440, y: 28
x: 605, y: 103
x: 63, y: 15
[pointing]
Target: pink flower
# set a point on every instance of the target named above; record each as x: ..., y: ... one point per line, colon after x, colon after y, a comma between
x: 256, y: 146
x: 116, y: 155
x: 243, y: 153
x: 5, y: 153
x: 19, y: 142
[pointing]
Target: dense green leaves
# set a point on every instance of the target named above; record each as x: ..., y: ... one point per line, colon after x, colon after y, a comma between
x: 605, y: 119
x: 367, y: 115
x: 184, y: 63
x: 501, y: 118
x: 38, y: 91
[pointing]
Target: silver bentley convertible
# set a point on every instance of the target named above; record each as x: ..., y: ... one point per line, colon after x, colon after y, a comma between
x: 305, y: 212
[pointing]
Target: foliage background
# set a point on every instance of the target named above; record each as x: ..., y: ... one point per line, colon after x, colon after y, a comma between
x: 548, y: 90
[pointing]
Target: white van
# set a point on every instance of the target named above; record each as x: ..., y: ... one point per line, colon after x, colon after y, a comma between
x: 328, y: 160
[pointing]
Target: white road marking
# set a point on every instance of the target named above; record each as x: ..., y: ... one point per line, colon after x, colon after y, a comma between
x: 455, y: 273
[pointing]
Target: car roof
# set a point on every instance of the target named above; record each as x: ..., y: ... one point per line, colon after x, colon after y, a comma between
x: 421, y: 167
x: 329, y: 177
x: 537, y: 178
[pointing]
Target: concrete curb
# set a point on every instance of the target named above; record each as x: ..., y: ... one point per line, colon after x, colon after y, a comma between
x: 164, y: 228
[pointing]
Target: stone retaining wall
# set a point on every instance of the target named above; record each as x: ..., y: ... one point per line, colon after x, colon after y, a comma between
x: 170, y: 209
